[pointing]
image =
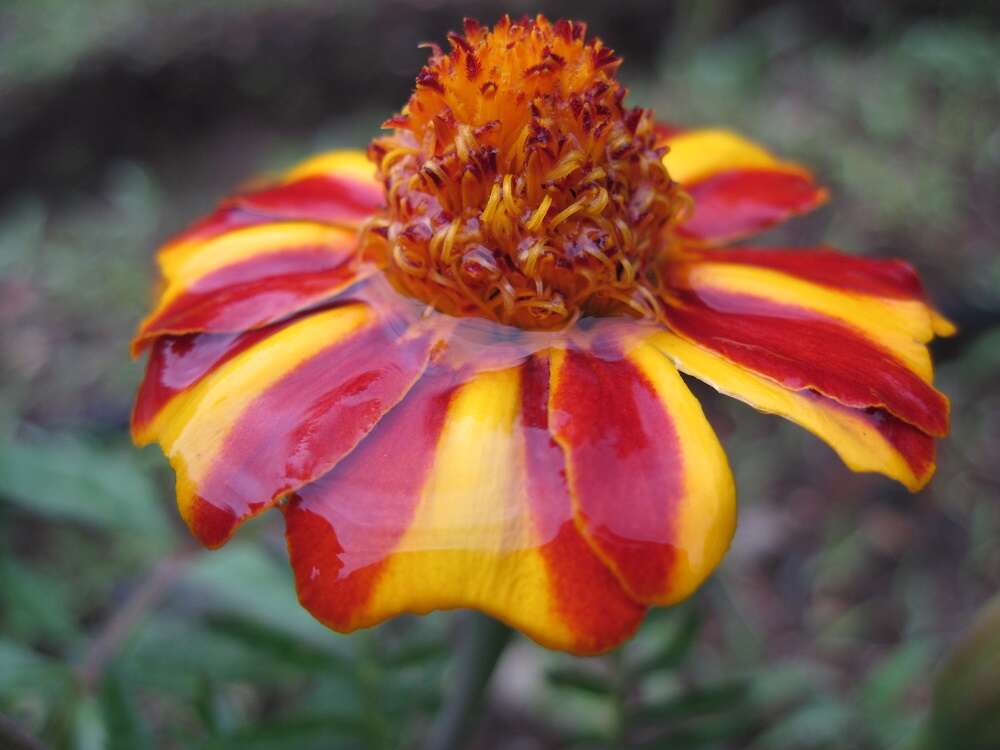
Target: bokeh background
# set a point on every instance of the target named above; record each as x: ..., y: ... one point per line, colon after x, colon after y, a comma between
x: 833, y: 623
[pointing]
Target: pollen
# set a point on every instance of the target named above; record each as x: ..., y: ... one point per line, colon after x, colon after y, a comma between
x: 519, y: 187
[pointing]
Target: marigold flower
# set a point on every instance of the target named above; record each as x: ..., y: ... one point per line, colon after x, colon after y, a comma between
x: 454, y: 363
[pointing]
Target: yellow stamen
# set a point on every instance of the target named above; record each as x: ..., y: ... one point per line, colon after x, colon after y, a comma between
x: 539, y: 216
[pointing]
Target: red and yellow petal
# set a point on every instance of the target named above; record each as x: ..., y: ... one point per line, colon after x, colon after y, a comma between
x: 738, y: 187
x: 860, y: 349
x: 469, y: 510
x: 888, y: 280
x: 867, y: 440
x: 337, y: 188
x: 250, y: 277
x: 651, y: 486
x: 245, y: 420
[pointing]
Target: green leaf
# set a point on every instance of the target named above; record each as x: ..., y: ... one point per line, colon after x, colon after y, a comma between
x: 89, y: 730
x: 177, y: 656
x: 582, y: 680
x: 126, y: 727
x: 68, y: 479
x: 788, y: 683
x: 965, y: 712
x: 676, y: 648
x: 279, y: 645
x: 23, y: 669
x: 882, y: 695
x: 697, y: 702
x: 815, y: 725
x: 325, y: 732
x: 243, y: 579
x: 34, y: 605
x: 703, y: 732
x: 415, y: 653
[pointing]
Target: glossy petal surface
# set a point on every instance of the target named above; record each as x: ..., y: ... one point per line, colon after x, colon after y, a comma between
x: 737, y: 186
x: 265, y: 254
x: 868, y: 440
x: 833, y: 342
x: 653, y: 493
x: 250, y: 277
x: 247, y: 419
x: 859, y: 349
x: 458, y: 499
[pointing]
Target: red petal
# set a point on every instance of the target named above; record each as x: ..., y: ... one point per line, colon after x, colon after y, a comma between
x: 826, y: 266
x: 342, y: 528
x: 586, y: 594
x: 177, y: 363
x: 653, y: 491
x: 346, y: 199
x: 245, y: 420
x: 738, y: 203
x: 802, y: 350
x: 322, y: 198
x: 866, y: 439
x: 627, y: 471
x: 394, y: 529
x: 254, y: 292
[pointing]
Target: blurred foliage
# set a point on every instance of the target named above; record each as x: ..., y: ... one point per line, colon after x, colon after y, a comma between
x: 965, y: 712
x: 121, y: 120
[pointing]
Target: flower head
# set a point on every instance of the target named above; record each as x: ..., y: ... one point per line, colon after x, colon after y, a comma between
x: 454, y: 364
x: 520, y: 188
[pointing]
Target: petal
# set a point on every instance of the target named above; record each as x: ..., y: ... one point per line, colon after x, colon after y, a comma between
x: 337, y: 188
x: 738, y: 187
x: 867, y: 440
x: 652, y: 489
x: 245, y: 420
x: 860, y: 349
x: 177, y: 363
x: 457, y: 499
x: 250, y: 277
x: 890, y: 279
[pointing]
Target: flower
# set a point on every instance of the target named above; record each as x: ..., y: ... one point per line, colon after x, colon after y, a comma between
x: 454, y: 364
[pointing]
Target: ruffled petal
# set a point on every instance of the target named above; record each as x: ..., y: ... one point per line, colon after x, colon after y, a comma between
x: 336, y: 188
x: 652, y: 489
x: 458, y: 499
x: 851, y: 342
x: 250, y: 277
x: 738, y: 187
x: 246, y: 419
x: 867, y: 440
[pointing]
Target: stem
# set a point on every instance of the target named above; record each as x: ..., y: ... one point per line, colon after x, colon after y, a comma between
x: 483, y: 641
x: 370, y: 678
x: 620, y: 729
x: 12, y: 737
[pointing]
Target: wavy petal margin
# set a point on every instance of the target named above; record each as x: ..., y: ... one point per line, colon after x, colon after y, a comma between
x: 831, y: 341
x: 471, y: 511
x: 251, y: 277
x: 652, y: 489
x: 246, y: 419
x: 267, y: 254
x: 860, y: 349
x: 499, y: 497
x: 867, y: 440
x: 738, y: 187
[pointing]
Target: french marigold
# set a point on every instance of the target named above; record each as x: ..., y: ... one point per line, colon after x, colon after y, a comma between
x: 453, y: 363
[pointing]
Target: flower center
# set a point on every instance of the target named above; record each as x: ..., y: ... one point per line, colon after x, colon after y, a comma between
x: 519, y: 187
